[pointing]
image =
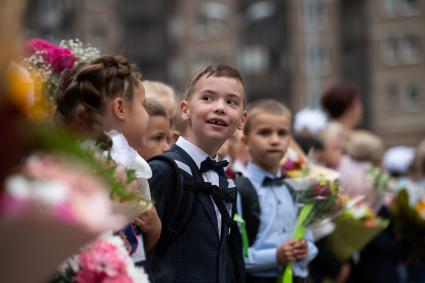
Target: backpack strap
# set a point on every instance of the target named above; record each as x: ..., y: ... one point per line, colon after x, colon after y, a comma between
x: 182, y: 197
x: 250, y: 207
x: 176, y: 219
x: 217, y: 193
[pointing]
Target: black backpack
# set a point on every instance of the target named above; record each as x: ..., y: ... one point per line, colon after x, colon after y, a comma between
x: 176, y: 218
x: 251, y: 210
x: 250, y: 207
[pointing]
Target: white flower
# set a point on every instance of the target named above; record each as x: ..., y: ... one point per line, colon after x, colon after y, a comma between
x: 83, y: 54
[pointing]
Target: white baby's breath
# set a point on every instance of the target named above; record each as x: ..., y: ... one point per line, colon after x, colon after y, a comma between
x: 38, y: 67
x: 83, y: 54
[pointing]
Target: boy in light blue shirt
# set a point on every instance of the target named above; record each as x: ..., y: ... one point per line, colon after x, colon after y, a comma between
x: 267, y: 134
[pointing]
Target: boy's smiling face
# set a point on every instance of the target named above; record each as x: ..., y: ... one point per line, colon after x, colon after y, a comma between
x: 215, y: 109
x: 268, y: 140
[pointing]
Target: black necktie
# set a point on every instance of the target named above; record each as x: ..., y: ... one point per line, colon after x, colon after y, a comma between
x: 270, y: 182
x: 210, y: 164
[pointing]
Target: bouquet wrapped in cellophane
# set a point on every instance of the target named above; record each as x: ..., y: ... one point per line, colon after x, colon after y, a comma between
x: 104, y: 260
x: 317, y: 195
x: 65, y: 196
x: 410, y: 224
x: 354, y: 228
x: 57, y: 194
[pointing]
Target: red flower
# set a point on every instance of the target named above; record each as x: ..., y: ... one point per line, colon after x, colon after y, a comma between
x: 321, y: 191
x: 38, y: 44
x: 59, y: 58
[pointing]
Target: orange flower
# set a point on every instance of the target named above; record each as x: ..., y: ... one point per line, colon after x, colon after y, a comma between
x: 26, y: 92
x: 420, y: 208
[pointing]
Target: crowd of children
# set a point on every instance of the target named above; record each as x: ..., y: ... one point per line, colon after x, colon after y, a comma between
x: 189, y: 234
x: 211, y: 156
x: 221, y: 206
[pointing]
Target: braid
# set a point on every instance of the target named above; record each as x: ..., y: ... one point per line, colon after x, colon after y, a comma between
x: 82, y: 92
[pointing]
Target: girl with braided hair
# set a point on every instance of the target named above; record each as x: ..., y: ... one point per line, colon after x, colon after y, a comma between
x: 105, y: 100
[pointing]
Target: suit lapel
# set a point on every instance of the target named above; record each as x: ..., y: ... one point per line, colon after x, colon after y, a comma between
x: 207, y: 203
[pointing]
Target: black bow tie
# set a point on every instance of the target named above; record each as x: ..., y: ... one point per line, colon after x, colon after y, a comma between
x: 210, y: 164
x: 270, y: 182
x: 219, y: 196
x: 227, y: 195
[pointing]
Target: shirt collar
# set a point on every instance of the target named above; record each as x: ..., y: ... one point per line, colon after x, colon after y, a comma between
x: 197, y: 154
x: 124, y: 154
x: 257, y: 174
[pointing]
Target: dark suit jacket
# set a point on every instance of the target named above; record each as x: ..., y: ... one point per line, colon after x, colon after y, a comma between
x: 198, y: 254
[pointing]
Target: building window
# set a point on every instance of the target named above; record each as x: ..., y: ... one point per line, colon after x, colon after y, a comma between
x: 392, y: 8
x: 409, y: 7
x: 254, y: 60
x: 389, y: 51
x: 260, y: 10
x: 318, y: 61
x: 211, y: 20
x: 314, y: 15
x: 409, y: 49
x: 389, y: 8
x: 392, y: 97
x: 411, y: 99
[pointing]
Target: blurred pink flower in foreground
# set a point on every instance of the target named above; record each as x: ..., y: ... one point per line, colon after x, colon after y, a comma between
x: 67, y: 189
x: 102, y: 262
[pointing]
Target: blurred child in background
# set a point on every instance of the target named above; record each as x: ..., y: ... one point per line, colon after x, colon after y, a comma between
x: 163, y: 94
x: 365, y: 151
x: 330, y: 153
x: 157, y: 137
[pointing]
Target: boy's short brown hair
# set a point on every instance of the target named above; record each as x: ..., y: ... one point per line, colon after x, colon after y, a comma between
x: 270, y: 106
x: 220, y: 70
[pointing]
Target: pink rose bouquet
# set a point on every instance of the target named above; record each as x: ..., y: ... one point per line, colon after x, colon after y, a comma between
x: 46, y: 60
x: 57, y: 57
x: 103, y: 261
